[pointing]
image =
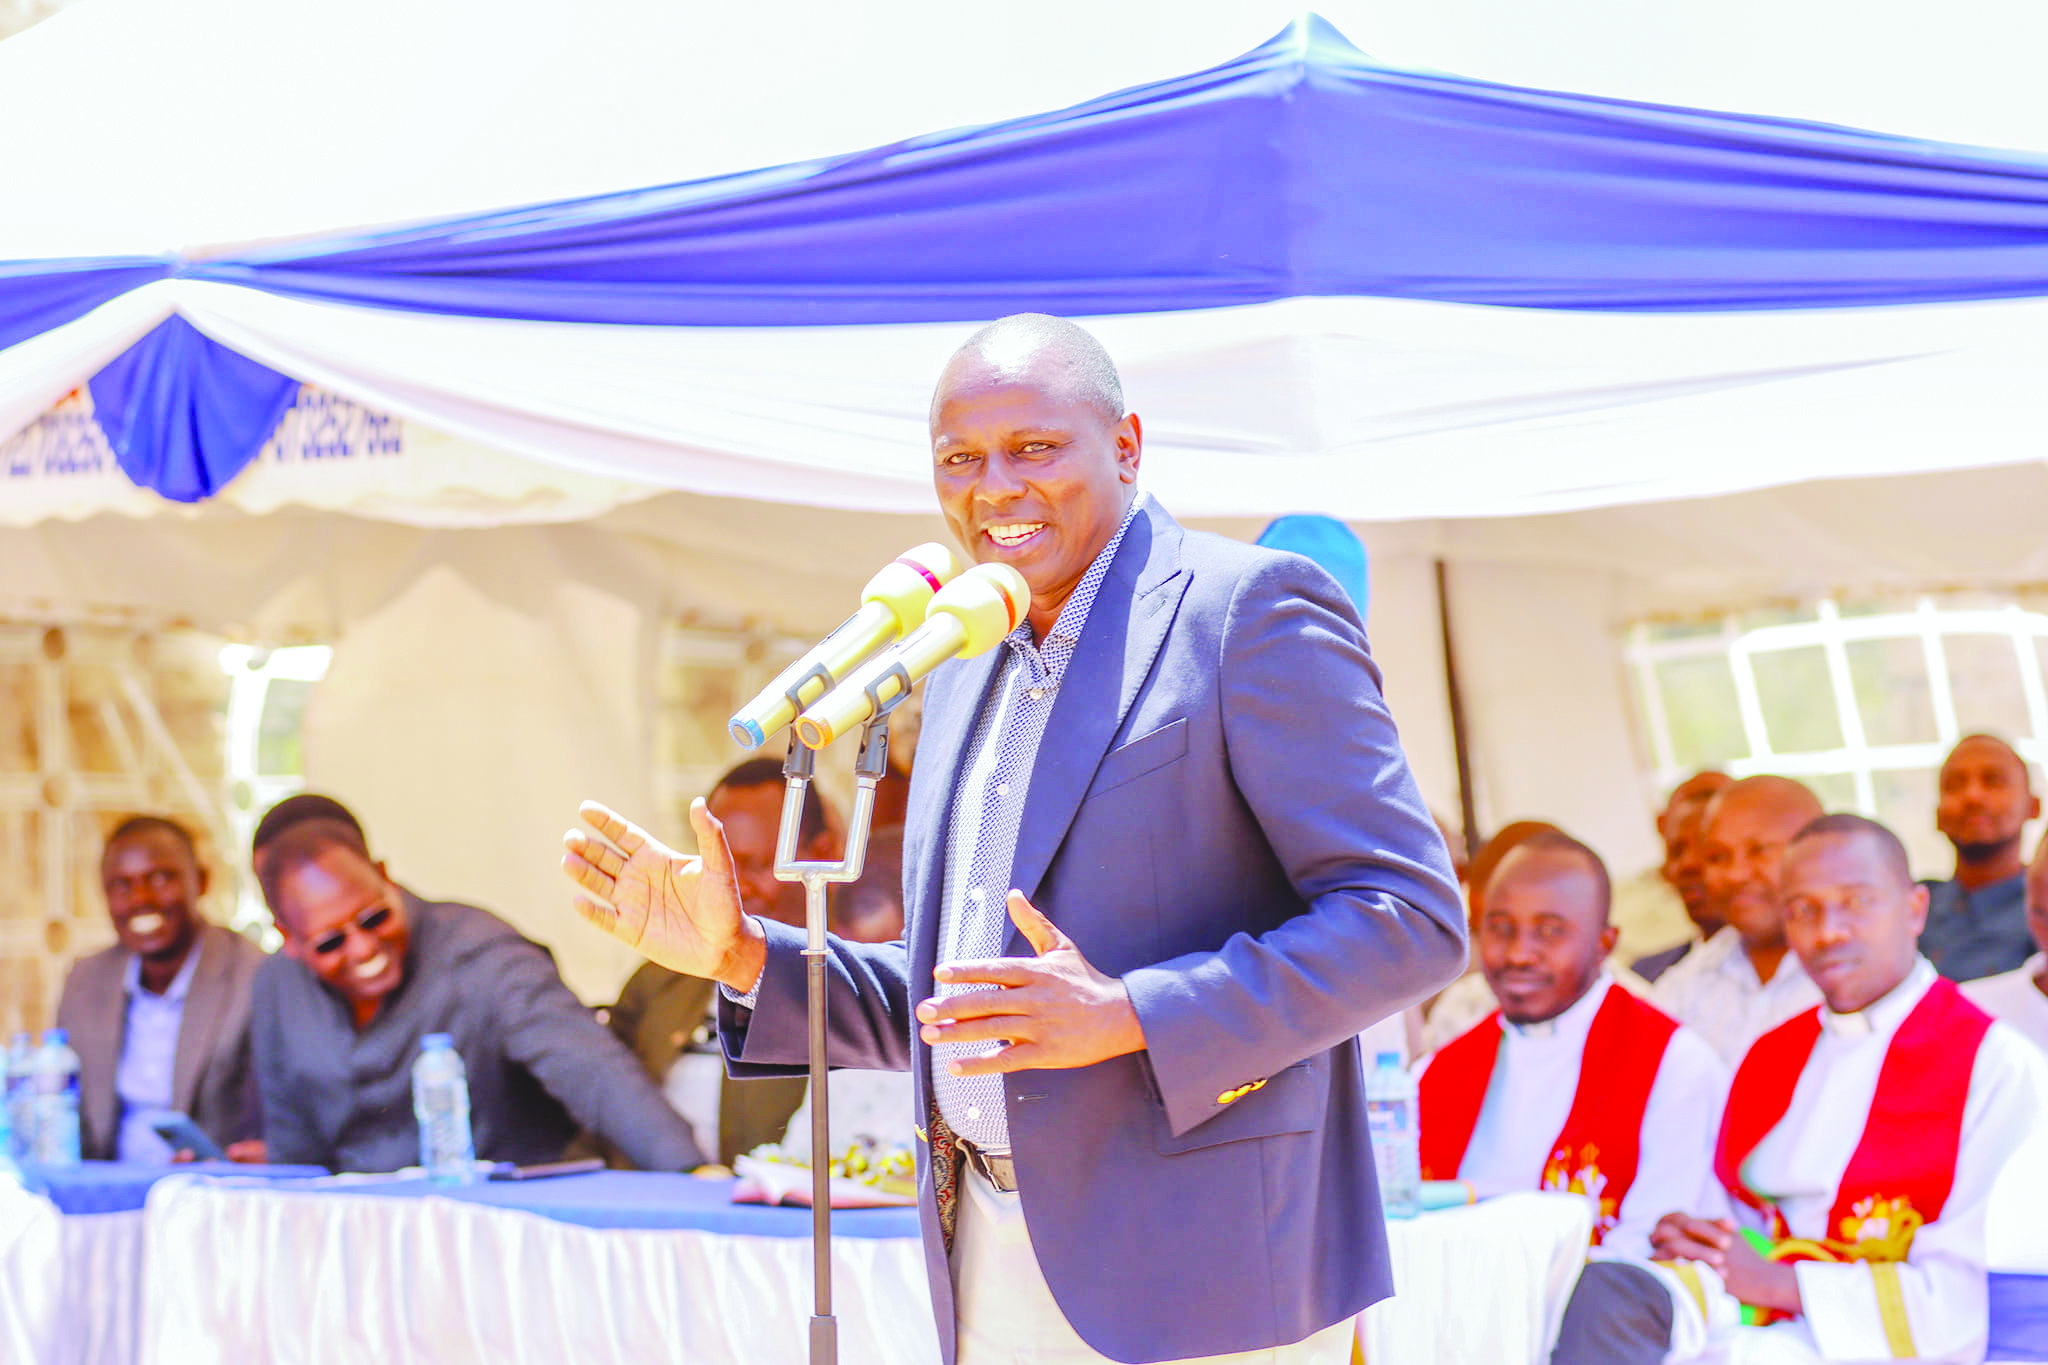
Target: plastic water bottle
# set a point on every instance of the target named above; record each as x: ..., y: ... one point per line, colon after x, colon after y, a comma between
x: 55, y: 1077
x: 440, y: 1101
x: 1393, y: 1115
x: 21, y: 1116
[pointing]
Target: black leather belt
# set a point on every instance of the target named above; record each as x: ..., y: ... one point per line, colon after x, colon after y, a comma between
x: 999, y: 1171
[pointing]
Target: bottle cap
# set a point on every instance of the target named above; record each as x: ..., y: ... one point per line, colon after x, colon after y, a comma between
x: 58, y: 1036
x: 434, y: 1042
x: 1389, y: 1059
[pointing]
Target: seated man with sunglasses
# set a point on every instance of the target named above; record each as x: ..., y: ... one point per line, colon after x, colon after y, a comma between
x: 368, y: 969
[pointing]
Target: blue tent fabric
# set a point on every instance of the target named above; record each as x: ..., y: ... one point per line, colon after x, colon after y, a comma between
x: 184, y: 414
x: 1301, y: 168
x: 37, y: 296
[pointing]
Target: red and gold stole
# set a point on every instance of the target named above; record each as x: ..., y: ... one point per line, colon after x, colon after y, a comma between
x: 1597, y: 1150
x: 1900, y: 1175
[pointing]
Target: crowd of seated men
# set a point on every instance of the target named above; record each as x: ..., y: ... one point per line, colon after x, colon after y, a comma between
x: 1791, y: 1124
x: 1788, y: 1125
x: 305, y: 1057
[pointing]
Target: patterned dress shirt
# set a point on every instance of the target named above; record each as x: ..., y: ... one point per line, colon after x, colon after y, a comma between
x: 988, y: 807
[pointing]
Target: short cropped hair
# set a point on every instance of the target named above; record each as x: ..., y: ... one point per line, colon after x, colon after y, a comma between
x: 152, y: 824
x: 1889, y: 849
x: 300, y: 843
x: 295, y: 809
x: 759, y: 772
x: 1557, y: 841
x: 1093, y: 373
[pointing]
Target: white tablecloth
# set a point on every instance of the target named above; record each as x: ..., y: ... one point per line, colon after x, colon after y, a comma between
x: 69, y: 1286
x: 324, y: 1278
x: 240, y: 1274
x: 1483, y: 1285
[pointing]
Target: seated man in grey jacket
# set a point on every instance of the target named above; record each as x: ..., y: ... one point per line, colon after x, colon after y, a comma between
x: 368, y: 969
x: 161, y: 1019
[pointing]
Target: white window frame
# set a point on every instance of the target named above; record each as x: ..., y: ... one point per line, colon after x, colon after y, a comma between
x: 1832, y: 632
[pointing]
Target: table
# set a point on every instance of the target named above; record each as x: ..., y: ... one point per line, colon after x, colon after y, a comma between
x: 1485, y: 1284
x: 595, y: 1268
x: 72, y: 1263
x: 631, y: 1268
x: 611, y: 1267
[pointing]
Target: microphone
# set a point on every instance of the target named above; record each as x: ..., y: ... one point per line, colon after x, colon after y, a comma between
x: 969, y: 616
x: 893, y: 602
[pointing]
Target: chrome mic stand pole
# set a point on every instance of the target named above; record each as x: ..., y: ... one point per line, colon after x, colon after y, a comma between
x: 797, y: 769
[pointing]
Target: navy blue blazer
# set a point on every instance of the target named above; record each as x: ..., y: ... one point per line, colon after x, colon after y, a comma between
x: 1221, y: 815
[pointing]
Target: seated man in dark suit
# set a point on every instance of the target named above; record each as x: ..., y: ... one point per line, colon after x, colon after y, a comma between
x: 368, y: 969
x: 161, y: 1019
x: 1977, y: 920
x: 671, y: 1020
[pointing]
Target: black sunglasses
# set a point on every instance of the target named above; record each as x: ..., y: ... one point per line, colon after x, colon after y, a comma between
x: 370, y: 921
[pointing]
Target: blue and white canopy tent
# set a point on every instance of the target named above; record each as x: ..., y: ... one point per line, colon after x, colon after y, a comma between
x: 1699, y: 356
x: 1668, y: 303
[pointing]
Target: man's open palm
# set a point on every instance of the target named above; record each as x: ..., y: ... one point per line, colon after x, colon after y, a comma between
x: 683, y: 913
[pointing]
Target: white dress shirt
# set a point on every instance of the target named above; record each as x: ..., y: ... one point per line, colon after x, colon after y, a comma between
x: 1714, y: 991
x: 1800, y: 1164
x: 1536, y: 1081
x: 145, y: 1077
x: 2016, y: 998
x: 695, y: 1087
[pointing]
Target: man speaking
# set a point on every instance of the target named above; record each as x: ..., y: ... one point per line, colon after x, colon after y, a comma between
x: 1163, y: 861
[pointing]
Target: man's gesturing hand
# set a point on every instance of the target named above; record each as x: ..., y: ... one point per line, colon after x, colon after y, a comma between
x: 1054, y: 1010
x: 683, y: 913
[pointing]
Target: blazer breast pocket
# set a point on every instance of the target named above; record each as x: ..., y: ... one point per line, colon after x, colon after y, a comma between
x: 1145, y: 754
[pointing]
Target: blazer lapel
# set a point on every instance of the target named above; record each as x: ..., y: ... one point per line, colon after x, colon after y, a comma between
x: 1125, y: 629
x: 199, y: 1026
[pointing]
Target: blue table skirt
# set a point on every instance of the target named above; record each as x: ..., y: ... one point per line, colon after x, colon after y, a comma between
x: 116, y: 1187
x: 600, y: 1199
x: 648, y: 1200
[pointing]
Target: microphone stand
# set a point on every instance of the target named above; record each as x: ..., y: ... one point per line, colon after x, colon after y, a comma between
x: 797, y: 769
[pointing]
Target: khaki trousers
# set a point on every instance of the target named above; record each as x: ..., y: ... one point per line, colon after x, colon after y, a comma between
x: 1007, y: 1316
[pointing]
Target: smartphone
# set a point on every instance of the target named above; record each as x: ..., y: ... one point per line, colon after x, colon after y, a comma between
x: 546, y: 1170
x: 186, y: 1136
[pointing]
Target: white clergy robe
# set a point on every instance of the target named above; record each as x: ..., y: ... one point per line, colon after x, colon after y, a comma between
x: 1800, y: 1163
x: 1530, y: 1096
x: 2016, y: 998
x: 1714, y: 991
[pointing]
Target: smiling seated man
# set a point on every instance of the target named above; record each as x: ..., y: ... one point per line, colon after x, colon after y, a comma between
x: 368, y: 969
x: 1858, y: 1153
x: 1745, y: 980
x: 1573, y: 1083
x: 160, y: 1020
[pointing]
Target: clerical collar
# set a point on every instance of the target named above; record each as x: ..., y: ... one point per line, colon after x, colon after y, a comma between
x: 1576, y: 1017
x: 1888, y: 1011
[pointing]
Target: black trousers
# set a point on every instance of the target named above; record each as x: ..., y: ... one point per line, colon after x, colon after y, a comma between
x: 1620, y: 1314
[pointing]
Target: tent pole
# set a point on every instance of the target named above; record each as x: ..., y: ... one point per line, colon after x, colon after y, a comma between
x: 1460, y: 740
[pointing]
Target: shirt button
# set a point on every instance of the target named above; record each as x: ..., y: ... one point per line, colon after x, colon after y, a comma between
x: 974, y: 1112
x: 1002, y: 789
x: 976, y: 894
x: 1036, y: 693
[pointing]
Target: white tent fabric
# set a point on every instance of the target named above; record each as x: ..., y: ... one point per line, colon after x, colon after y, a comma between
x: 1367, y: 409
